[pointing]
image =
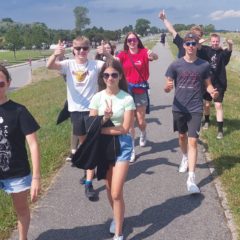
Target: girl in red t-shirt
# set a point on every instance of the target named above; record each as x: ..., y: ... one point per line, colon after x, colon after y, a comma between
x: 135, y: 61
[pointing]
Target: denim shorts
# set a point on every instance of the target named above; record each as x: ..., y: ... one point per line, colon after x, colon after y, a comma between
x: 140, y: 99
x: 16, y: 185
x: 125, y: 148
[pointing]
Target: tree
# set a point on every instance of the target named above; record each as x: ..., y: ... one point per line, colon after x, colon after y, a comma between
x: 142, y: 25
x: 7, y: 20
x: 127, y: 29
x: 14, y: 39
x: 209, y: 28
x: 81, y: 19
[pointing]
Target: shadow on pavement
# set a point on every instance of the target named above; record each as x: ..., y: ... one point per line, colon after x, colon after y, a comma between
x: 155, y: 217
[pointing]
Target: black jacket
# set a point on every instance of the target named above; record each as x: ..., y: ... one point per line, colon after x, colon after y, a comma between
x: 64, y: 114
x: 98, y: 150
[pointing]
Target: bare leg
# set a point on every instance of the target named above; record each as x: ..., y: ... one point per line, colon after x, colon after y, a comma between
x: 219, y: 111
x: 115, y: 182
x: 140, y: 115
x: 192, y: 154
x: 20, y: 203
x: 183, y: 142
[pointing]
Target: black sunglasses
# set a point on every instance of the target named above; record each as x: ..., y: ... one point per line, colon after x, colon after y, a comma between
x: 190, y: 44
x: 83, y: 48
x: 113, y: 75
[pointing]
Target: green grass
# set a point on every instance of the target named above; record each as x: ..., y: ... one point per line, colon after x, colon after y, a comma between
x: 44, y: 99
x: 23, y: 55
x: 225, y: 153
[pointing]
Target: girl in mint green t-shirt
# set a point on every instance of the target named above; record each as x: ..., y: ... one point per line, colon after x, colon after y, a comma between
x: 113, y: 102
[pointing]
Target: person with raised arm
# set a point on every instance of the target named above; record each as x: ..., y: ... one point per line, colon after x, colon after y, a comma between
x: 81, y: 81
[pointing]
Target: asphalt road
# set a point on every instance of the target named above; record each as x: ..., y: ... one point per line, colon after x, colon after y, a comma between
x: 158, y: 206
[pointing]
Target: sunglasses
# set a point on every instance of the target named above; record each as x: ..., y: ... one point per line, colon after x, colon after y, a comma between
x: 132, y: 40
x: 113, y: 75
x: 193, y: 44
x: 2, y: 84
x: 81, y: 48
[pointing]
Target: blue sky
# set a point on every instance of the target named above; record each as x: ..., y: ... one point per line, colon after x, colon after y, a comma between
x: 115, y: 14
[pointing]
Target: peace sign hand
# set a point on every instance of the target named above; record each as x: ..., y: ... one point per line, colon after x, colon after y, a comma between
x: 108, y: 111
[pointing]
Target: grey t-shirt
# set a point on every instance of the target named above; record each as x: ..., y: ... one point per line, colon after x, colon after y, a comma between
x: 189, y: 84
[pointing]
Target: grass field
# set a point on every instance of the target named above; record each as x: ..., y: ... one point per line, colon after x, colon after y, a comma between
x: 225, y: 153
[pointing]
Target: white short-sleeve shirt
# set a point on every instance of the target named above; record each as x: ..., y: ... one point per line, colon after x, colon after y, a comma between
x: 81, y: 80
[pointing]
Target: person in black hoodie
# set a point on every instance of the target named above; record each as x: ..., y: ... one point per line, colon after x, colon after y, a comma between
x: 113, y: 102
x: 218, y: 59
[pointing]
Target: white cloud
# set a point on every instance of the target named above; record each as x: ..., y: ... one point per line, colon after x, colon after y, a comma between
x: 220, y: 14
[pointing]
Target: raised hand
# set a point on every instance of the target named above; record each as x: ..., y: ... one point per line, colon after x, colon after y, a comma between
x: 108, y: 111
x: 101, y: 49
x: 162, y: 15
x: 60, y: 49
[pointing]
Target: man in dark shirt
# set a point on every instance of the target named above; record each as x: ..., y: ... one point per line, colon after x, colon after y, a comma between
x: 218, y: 59
x: 190, y: 76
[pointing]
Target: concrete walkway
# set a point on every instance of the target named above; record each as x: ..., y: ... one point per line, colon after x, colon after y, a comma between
x: 157, y: 203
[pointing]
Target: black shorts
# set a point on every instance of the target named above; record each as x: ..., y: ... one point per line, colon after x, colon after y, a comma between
x: 220, y: 97
x: 187, y: 122
x: 78, y: 120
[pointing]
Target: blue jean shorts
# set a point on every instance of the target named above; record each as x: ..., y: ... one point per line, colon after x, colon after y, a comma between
x: 125, y: 148
x: 16, y: 185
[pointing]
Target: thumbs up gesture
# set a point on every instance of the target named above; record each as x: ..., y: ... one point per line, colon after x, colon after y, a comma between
x: 60, y: 49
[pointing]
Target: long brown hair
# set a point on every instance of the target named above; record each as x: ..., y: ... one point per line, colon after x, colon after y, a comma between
x: 125, y: 46
x: 118, y: 67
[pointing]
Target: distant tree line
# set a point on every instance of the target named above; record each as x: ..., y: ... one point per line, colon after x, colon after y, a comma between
x: 37, y: 35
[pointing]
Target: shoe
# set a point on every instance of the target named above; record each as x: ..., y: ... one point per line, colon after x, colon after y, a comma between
x: 205, y: 126
x: 133, y: 156
x: 220, y: 135
x: 90, y: 192
x: 183, y: 165
x: 69, y: 158
x: 191, y: 185
x: 112, y: 227
x: 118, y: 237
x: 143, y: 139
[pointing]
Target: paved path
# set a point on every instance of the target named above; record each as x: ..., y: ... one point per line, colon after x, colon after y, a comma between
x: 158, y: 206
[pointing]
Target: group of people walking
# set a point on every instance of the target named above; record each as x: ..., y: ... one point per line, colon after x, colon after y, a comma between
x: 105, y: 97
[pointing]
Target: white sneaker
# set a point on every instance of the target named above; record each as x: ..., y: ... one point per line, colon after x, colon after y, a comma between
x: 118, y: 237
x: 183, y: 165
x: 112, y: 227
x: 143, y: 139
x: 133, y: 156
x: 191, y: 185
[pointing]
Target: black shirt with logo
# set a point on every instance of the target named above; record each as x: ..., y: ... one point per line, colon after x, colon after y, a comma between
x: 15, y: 123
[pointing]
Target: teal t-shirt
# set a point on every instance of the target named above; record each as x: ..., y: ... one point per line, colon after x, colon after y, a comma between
x: 121, y: 102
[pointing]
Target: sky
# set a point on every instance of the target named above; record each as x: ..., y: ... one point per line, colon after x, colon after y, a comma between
x: 115, y: 14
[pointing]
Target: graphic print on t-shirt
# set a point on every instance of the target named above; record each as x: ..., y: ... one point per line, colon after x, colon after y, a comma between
x: 5, y: 149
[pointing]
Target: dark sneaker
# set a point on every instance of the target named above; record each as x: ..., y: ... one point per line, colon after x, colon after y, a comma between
x: 90, y: 192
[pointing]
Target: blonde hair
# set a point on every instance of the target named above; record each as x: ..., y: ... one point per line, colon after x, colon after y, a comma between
x: 197, y: 28
x: 81, y: 39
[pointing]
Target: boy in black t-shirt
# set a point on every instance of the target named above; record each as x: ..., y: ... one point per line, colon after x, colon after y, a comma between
x: 16, y: 126
x: 218, y: 59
